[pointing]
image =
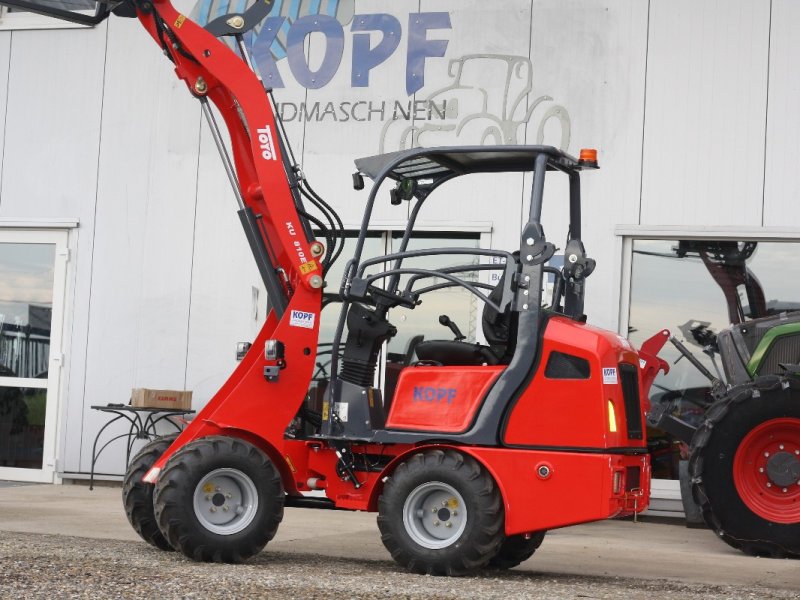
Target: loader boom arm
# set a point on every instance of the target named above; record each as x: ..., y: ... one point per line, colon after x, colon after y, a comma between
x: 279, y: 236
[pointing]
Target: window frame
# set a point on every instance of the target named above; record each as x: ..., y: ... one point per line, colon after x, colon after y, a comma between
x: 626, y: 234
x: 667, y: 491
x: 57, y: 233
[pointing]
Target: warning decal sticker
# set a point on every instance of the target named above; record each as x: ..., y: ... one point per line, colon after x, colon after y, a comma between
x: 308, y: 267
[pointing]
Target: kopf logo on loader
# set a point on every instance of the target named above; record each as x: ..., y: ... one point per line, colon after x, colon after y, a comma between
x: 424, y: 393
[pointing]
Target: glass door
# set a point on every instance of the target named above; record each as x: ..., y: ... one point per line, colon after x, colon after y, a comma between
x: 32, y: 278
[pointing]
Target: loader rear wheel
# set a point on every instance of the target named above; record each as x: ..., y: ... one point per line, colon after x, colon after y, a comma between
x: 745, y: 467
x: 441, y: 513
x: 219, y: 499
x: 516, y: 549
x: 137, y: 496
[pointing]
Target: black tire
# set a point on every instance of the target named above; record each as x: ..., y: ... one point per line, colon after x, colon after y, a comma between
x: 480, y: 525
x: 226, y: 468
x: 745, y: 411
x: 516, y: 549
x: 137, y: 496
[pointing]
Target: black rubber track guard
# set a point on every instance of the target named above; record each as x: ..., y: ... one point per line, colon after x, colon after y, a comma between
x: 711, y: 460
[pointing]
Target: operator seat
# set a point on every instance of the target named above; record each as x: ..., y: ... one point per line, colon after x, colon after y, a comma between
x: 500, y: 330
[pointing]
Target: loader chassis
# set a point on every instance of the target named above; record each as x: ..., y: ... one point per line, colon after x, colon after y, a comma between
x: 480, y: 449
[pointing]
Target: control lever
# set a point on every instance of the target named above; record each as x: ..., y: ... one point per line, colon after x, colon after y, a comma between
x: 445, y: 320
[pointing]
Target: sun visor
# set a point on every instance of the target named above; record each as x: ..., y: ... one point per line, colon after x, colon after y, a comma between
x: 83, y: 12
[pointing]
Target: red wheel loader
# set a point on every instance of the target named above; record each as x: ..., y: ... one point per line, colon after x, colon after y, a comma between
x: 478, y: 449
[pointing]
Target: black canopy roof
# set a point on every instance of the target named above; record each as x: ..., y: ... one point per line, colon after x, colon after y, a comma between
x: 424, y: 163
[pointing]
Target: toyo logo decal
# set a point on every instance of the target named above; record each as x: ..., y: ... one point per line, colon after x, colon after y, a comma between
x: 301, y: 318
x: 266, y: 144
x: 431, y: 394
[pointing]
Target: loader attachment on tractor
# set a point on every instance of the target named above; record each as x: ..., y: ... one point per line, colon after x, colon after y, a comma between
x: 743, y: 443
x: 478, y: 446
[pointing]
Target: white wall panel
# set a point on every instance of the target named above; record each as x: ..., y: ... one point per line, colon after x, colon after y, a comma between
x: 782, y: 177
x: 51, y: 133
x: 162, y: 275
x: 5, y: 56
x: 141, y: 272
x: 486, y: 69
x: 590, y: 58
x: 51, y: 142
x: 706, y: 112
x: 224, y: 274
x: 53, y: 122
x: 331, y: 145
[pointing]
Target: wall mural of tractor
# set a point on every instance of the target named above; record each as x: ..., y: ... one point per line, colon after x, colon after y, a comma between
x: 485, y: 103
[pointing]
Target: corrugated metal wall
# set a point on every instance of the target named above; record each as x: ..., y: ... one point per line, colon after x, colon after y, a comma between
x: 691, y: 103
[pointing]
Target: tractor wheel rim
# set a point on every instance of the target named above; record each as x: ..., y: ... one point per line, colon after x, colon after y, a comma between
x: 766, y: 470
x: 434, y: 515
x: 225, y: 501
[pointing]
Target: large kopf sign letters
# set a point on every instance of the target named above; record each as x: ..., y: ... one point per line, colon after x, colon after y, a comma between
x: 365, y: 56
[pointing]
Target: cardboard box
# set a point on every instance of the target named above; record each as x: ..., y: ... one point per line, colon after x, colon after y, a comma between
x: 146, y: 398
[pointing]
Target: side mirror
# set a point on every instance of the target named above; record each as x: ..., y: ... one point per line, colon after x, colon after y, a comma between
x: 83, y: 12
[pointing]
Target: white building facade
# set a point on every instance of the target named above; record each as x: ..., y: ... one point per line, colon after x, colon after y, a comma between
x: 122, y: 258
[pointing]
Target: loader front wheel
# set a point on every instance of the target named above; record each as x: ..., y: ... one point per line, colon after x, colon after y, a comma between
x: 441, y: 513
x: 745, y: 467
x: 137, y: 496
x: 219, y: 499
x: 516, y: 549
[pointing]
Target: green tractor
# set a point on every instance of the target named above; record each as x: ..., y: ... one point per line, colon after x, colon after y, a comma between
x: 744, y: 449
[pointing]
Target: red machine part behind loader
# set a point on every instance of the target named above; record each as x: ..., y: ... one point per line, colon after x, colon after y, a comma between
x: 479, y: 449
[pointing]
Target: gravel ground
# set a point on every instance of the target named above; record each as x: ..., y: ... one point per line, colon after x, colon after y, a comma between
x: 49, y: 566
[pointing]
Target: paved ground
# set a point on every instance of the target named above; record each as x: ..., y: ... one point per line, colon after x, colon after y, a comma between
x: 65, y: 541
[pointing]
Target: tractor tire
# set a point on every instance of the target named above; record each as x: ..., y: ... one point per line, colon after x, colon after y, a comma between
x: 516, y: 549
x: 137, y: 496
x: 745, y: 467
x: 441, y: 513
x: 219, y: 499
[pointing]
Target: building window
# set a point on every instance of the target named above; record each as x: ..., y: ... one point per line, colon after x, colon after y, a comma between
x: 697, y: 288
x: 33, y: 265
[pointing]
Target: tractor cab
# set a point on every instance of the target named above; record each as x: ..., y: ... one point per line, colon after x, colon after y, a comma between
x: 458, y: 381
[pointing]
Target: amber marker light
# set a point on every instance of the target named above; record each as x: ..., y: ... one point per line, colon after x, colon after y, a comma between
x: 588, y: 155
x: 612, y: 417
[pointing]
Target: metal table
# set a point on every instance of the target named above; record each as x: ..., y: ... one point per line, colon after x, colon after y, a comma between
x: 143, y: 421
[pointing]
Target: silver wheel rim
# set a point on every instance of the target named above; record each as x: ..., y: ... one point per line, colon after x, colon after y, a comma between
x: 434, y: 515
x: 225, y: 501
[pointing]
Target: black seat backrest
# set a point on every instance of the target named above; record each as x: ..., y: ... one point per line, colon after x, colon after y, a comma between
x: 500, y: 328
